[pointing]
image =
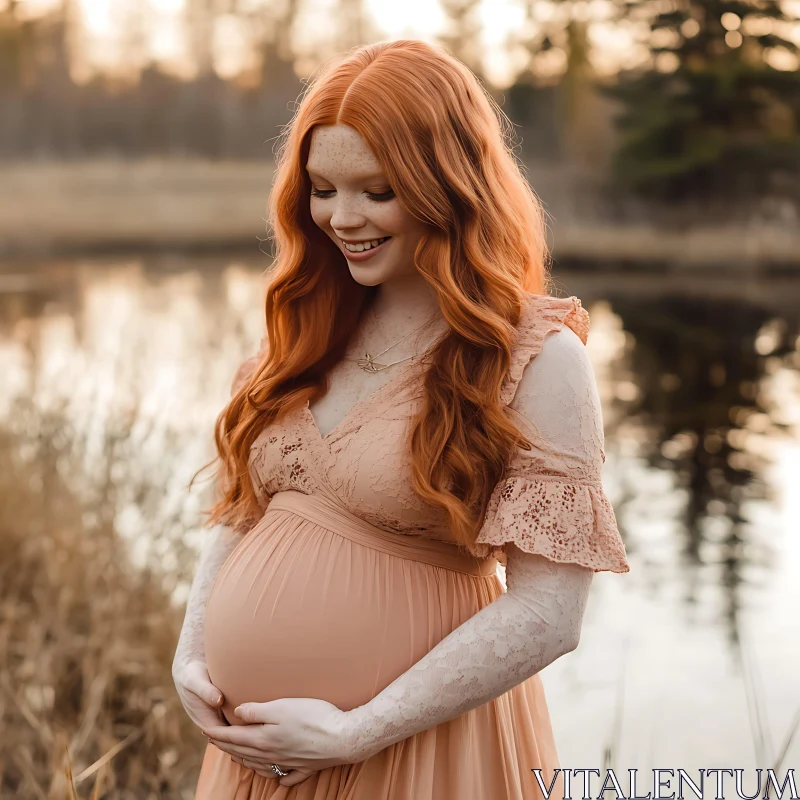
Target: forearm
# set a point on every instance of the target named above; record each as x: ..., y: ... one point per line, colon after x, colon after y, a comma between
x: 502, y: 645
x: 222, y: 541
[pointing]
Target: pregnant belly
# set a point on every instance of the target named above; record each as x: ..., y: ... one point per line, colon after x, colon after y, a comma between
x: 300, y: 611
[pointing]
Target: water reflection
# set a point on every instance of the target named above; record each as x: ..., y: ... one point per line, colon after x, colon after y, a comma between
x: 125, y: 364
x: 704, y: 400
x: 695, y: 665
x: 128, y: 366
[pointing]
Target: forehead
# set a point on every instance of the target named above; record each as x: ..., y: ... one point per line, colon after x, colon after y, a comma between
x: 339, y: 150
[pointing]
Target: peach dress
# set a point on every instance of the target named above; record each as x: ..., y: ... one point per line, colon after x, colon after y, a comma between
x: 348, y: 579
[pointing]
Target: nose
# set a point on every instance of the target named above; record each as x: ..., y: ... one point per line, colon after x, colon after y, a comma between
x: 345, y: 214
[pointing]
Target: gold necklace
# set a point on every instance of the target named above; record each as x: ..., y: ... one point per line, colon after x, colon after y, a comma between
x: 368, y: 363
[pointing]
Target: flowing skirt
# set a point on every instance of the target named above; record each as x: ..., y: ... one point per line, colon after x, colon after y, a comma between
x: 317, y: 602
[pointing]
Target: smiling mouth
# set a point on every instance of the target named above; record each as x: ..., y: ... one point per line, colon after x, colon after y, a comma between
x: 364, y: 247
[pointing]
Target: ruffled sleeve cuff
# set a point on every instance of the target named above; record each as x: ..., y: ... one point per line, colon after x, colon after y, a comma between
x: 565, y: 521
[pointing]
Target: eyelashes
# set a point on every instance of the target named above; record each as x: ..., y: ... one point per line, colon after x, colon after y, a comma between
x: 324, y: 194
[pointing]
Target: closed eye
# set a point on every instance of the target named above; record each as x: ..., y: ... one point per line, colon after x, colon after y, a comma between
x: 324, y: 194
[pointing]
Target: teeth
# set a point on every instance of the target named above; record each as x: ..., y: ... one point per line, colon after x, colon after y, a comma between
x: 360, y: 247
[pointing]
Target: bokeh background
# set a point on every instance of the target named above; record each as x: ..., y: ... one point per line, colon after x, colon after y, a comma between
x: 136, y: 158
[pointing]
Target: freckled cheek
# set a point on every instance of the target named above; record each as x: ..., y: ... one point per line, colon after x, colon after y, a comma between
x: 321, y: 217
x: 391, y: 221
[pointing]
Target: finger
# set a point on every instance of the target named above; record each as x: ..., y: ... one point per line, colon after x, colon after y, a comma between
x: 266, y: 773
x: 204, y: 689
x: 260, y: 759
x: 204, y: 717
x: 265, y: 770
x: 257, y: 766
x: 264, y: 758
x: 247, y: 735
x: 294, y: 777
x: 256, y: 712
x: 241, y: 751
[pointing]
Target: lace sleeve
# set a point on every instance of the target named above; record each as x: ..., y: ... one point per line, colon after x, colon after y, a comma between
x: 551, y: 500
x: 528, y: 627
x: 221, y: 542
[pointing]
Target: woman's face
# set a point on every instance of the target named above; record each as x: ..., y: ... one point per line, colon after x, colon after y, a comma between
x: 352, y: 201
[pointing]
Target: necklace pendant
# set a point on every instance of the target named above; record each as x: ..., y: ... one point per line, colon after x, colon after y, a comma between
x: 367, y: 364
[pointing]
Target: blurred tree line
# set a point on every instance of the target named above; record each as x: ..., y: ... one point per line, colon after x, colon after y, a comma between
x: 719, y: 117
x: 708, y: 114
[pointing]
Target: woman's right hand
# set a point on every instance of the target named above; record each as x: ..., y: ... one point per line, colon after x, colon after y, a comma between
x: 201, y: 699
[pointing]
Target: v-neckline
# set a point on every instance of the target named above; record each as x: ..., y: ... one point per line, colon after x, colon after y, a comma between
x: 370, y: 398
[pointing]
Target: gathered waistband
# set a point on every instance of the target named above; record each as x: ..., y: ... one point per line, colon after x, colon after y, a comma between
x: 337, y: 519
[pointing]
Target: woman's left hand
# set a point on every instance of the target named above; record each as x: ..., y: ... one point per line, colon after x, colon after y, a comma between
x: 300, y: 734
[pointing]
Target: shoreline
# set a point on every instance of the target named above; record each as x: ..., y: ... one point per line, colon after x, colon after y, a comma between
x: 115, y: 207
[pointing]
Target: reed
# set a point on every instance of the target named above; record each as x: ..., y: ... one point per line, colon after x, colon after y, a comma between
x: 613, y: 747
x: 756, y: 706
x: 794, y: 727
x: 87, y: 702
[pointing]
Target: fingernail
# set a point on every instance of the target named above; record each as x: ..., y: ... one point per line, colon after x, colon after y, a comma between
x: 217, y: 698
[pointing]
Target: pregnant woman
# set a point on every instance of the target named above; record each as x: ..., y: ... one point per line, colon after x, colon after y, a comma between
x: 420, y: 409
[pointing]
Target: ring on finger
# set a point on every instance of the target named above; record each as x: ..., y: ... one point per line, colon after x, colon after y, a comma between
x: 261, y: 770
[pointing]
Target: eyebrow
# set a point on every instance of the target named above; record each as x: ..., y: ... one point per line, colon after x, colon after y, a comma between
x: 364, y: 177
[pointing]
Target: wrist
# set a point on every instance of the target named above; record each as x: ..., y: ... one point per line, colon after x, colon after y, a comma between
x: 183, y: 658
x: 360, y: 734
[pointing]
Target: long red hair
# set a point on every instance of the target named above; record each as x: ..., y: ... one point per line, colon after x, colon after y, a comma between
x: 443, y: 143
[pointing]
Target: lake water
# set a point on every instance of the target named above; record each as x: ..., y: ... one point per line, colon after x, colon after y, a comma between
x: 690, y: 660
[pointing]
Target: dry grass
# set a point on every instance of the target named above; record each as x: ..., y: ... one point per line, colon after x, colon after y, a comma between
x: 87, y: 703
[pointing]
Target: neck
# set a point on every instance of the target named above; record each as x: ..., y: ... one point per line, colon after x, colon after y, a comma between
x: 402, y: 306
x: 405, y: 303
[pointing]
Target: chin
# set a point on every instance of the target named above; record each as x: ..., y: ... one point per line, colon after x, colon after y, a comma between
x: 368, y: 277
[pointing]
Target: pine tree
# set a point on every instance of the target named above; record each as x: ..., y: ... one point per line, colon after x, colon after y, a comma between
x: 717, y: 113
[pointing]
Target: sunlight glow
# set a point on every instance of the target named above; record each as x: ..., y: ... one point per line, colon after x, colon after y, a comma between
x: 414, y: 19
x: 120, y: 36
x: 499, y: 19
x: 168, y: 42
x: 167, y: 6
x: 98, y: 16
x: 232, y: 46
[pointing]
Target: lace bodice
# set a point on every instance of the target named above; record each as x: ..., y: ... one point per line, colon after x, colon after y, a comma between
x: 551, y: 499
